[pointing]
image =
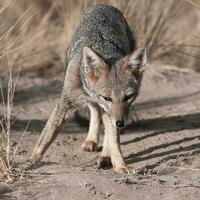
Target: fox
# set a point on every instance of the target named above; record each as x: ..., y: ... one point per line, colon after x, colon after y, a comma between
x: 103, y: 70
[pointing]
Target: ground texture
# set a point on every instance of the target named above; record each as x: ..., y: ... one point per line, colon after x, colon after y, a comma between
x: 162, y: 143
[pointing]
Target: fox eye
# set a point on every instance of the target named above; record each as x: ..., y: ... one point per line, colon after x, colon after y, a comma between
x: 107, y: 98
x: 127, y: 97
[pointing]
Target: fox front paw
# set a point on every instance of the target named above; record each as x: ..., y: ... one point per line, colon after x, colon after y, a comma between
x: 125, y: 169
x: 89, y: 146
x: 104, y: 162
x: 35, y: 158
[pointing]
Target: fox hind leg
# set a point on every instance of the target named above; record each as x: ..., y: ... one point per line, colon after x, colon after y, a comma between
x: 104, y: 160
x: 90, y: 144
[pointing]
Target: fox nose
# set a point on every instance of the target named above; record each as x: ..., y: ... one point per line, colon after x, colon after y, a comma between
x: 120, y: 123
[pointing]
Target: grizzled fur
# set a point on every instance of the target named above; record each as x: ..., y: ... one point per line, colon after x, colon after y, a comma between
x: 103, y: 71
x: 105, y: 30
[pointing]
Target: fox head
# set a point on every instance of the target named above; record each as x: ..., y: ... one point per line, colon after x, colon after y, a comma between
x: 113, y: 88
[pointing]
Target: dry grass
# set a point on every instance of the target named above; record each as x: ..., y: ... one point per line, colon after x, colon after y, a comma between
x: 6, y: 172
x: 36, y: 33
x: 195, y: 35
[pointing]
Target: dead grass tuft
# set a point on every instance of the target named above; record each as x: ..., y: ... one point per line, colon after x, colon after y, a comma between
x: 6, y: 172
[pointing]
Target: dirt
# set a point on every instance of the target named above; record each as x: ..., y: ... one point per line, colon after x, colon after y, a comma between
x: 162, y: 142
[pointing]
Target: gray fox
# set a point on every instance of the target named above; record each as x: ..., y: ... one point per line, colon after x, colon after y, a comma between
x: 103, y: 71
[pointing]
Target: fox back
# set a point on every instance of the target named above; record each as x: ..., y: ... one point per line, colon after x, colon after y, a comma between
x: 104, y: 29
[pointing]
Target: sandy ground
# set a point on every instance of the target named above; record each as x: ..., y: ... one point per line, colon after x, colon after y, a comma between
x: 163, y: 144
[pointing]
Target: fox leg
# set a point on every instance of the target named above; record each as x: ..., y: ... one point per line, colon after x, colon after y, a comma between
x: 114, y: 143
x: 53, y: 126
x: 105, y: 160
x: 90, y: 144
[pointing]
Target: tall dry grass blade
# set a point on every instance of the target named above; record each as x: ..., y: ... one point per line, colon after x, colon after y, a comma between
x: 18, y: 144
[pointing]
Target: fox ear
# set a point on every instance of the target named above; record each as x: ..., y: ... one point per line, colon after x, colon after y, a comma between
x: 94, y: 66
x: 136, y: 61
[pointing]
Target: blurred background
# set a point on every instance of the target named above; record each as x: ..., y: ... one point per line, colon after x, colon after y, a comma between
x: 34, y: 34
